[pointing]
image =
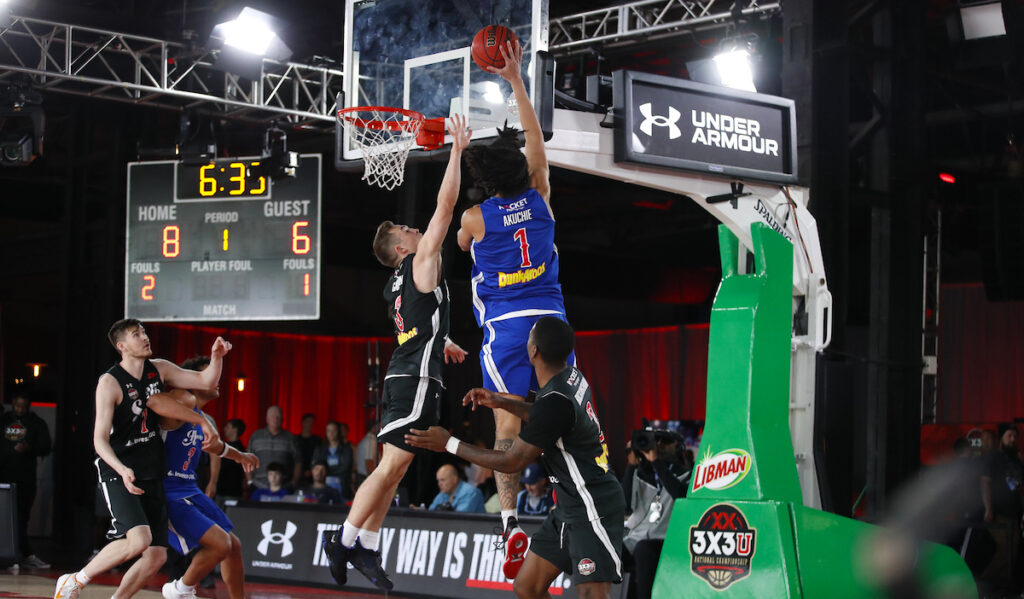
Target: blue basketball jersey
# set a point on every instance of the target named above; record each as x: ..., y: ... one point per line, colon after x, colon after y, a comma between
x: 515, y: 265
x: 184, y: 447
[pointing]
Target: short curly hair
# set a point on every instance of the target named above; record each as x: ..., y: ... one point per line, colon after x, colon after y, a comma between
x: 500, y: 168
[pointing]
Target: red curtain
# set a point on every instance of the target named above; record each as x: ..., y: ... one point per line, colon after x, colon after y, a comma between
x: 658, y: 373
x: 326, y: 376
x: 981, y: 357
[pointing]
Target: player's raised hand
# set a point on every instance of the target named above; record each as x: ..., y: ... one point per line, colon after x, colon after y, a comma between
x: 481, y: 397
x: 454, y: 353
x: 128, y: 476
x: 249, y: 462
x: 512, y: 52
x: 434, y: 438
x: 458, y: 128
x: 220, y: 348
x: 212, y: 439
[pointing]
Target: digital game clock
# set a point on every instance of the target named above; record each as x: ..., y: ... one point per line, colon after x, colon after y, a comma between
x: 221, y: 241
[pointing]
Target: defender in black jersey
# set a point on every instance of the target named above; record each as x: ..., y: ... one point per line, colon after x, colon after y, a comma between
x: 417, y: 299
x: 583, y: 534
x: 131, y: 463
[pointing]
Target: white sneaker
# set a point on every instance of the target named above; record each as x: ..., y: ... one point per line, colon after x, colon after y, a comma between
x: 170, y: 591
x: 35, y: 563
x: 68, y: 587
x: 15, y: 569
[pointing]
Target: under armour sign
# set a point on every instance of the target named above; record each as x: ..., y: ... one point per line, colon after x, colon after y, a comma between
x: 682, y: 124
x: 652, y: 120
x: 275, y: 538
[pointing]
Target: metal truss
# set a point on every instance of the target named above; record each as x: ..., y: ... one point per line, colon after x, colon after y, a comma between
x: 647, y: 19
x: 141, y: 70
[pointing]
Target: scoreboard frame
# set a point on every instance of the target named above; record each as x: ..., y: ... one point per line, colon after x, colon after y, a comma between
x: 244, y: 309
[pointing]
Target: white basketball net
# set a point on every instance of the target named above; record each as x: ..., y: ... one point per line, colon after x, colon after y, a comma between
x: 384, y: 138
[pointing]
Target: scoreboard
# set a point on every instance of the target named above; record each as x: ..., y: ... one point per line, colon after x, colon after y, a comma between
x: 222, y: 241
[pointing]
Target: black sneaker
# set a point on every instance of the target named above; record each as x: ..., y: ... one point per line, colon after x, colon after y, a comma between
x: 337, y: 557
x: 369, y: 563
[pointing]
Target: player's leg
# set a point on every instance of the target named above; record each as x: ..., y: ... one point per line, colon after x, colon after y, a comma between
x: 214, y: 547
x: 232, y: 569
x: 535, y: 577
x: 374, y: 496
x: 506, y: 369
x: 151, y: 560
x: 549, y: 555
x: 595, y: 555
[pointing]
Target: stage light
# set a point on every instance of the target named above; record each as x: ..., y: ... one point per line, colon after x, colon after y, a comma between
x: 982, y: 19
x: 245, y: 41
x: 22, y: 124
x: 734, y: 69
x: 947, y: 178
x: 37, y: 369
x: 240, y: 380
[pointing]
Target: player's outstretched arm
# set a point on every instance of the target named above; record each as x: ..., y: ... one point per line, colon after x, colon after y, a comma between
x: 107, y: 392
x: 514, y: 459
x: 426, y: 266
x: 536, y: 158
x: 207, y: 380
x: 496, y: 401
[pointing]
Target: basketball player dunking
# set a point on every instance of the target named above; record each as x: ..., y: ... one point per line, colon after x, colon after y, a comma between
x: 511, y: 237
x: 418, y: 303
x: 131, y: 460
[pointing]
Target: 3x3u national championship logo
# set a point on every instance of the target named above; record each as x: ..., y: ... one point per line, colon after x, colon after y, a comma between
x: 722, y: 546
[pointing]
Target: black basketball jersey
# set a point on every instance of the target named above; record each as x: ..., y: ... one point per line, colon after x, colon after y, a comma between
x: 564, y: 424
x: 420, y: 321
x: 134, y: 431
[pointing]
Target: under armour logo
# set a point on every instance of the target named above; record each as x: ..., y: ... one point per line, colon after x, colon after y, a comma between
x: 651, y: 120
x: 284, y: 540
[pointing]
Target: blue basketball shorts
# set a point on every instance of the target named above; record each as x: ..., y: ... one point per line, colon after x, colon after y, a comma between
x: 503, y: 358
x: 189, y: 519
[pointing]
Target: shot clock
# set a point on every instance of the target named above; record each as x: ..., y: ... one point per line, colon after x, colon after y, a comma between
x: 221, y: 241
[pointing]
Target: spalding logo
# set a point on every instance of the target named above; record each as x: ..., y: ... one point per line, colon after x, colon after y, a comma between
x: 722, y: 470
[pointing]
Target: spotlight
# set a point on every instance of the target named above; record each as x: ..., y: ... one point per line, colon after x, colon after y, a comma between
x: 277, y: 161
x: 982, y: 19
x: 245, y: 41
x: 22, y: 123
x: 734, y: 68
x: 240, y: 380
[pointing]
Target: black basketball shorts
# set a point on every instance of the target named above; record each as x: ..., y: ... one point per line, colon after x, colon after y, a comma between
x: 589, y: 551
x: 128, y: 511
x: 409, y: 402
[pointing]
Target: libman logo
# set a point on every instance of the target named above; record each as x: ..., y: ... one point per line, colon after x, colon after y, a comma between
x: 722, y: 546
x: 721, y: 470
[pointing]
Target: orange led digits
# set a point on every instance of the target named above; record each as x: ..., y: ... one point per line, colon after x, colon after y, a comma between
x: 172, y: 241
x: 300, y: 243
x: 147, y: 289
x: 305, y: 284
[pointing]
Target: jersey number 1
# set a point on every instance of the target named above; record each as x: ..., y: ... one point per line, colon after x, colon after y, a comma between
x: 524, y: 247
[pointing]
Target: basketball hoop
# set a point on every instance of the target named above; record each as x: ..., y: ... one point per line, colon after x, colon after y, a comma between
x: 384, y: 136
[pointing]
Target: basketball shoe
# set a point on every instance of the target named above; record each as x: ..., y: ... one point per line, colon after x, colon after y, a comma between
x: 337, y: 556
x: 171, y: 590
x: 515, y: 543
x: 369, y: 563
x: 68, y: 587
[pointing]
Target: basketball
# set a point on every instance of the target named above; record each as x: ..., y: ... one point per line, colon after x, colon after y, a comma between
x: 487, y: 43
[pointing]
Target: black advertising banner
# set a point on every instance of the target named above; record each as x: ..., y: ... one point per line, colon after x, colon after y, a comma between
x: 677, y: 123
x: 440, y: 554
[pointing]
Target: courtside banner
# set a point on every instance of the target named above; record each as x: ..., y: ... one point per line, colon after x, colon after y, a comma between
x: 436, y: 554
x: 677, y: 123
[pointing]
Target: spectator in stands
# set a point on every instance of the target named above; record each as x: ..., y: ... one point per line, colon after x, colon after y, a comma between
x: 275, y: 445
x: 535, y: 499
x: 337, y: 454
x: 26, y: 438
x: 319, y: 491
x: 308, y: 442
x: 366, y: 452
x: 275, y: 490
x: 456, y: 495
x: 231, y: 483
x: 1001, y: 495
x: 661, y: 476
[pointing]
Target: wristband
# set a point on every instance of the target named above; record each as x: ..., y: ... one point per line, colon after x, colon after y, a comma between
x: 452, y: 446
x: 224, y: 451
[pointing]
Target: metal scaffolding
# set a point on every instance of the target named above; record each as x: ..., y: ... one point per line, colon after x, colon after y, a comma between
x: 647, y: 19
x: 141, y: 70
